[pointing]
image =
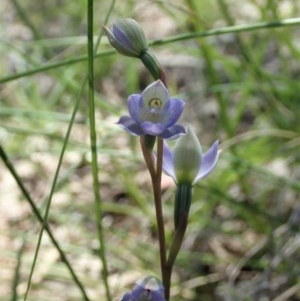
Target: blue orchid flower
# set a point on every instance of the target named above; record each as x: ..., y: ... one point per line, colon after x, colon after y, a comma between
x: 187, y: 164
x: 147, y: 289
x: 153, y: 113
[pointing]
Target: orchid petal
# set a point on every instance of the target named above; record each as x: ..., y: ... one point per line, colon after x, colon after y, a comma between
x: 148, y: 289
x: 126, y: 297
x: 156, y: 90
x: 172, y: 111
x: 154, y: 129
x: 136, y: 292
x: 173, y: 132
x: 168, y: 166
x: 135, y: 105
x: 208, y: 162
x: 129, y: 125
x: 158, y: 296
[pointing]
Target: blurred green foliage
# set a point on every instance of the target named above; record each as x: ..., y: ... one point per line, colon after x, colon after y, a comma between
x: 242, y: 242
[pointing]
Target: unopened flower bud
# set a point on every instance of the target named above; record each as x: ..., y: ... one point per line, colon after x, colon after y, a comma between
x: 187, y: 164
x: 127, y: 37
x: 187, y: 157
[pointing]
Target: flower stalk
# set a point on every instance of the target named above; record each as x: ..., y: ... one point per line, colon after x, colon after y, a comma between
x: 183, y: 198
x: 154, y: 67
x: 155, y: 173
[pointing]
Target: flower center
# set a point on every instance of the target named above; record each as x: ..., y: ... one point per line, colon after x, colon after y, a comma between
x: 153, y: 113
x: 155, y: 103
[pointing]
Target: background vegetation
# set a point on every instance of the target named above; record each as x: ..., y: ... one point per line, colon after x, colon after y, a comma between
x: 242, y: 241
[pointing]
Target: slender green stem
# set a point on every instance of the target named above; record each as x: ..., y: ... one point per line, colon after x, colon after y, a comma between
x: 228, y: 30
x: 173, y: 252
x: 148, y: 158
x: 171, y: 39
x: 158, y: 203
x: 183, y: 199
x: 50, y: 66
x: 93, y: 141
x: 37, y: 213
x: 16, y: 279
x: 166, y: 276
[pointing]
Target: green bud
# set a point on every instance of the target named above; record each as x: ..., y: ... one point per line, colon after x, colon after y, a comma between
x: 187, y: 157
